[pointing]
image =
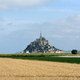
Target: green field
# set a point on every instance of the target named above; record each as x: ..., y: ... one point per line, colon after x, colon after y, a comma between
x: 39, y: 55
x: 45, y: 57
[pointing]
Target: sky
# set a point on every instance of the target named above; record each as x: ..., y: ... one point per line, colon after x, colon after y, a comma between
x: 22, y: 21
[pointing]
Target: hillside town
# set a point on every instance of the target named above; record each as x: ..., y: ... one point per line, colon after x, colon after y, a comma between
x: 41, y: 45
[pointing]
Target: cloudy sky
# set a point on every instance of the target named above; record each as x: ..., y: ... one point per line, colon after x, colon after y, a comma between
x: 21, y: 22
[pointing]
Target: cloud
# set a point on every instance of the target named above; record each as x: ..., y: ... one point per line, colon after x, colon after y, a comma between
x: 56, y: 29
x: 1, y: 20
x: 5, y: 4
x: 59, y: 10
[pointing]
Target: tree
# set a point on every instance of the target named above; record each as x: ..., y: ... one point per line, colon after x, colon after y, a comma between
x: 74, y: 51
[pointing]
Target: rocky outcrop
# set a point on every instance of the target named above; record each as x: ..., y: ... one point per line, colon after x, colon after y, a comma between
x: 40, y: 45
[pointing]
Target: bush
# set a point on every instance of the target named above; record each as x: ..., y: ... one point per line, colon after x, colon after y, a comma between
x: 74, y: 51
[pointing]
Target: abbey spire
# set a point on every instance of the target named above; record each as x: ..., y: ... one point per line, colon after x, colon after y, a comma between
x: 41, y: 36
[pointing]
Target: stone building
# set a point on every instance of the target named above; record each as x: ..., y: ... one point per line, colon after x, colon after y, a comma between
x: 41, y: 45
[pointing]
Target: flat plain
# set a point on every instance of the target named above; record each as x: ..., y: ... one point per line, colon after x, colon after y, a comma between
x: 17, y: 69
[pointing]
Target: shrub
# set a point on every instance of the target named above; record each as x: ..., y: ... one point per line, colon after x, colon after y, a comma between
x: 74, y: 51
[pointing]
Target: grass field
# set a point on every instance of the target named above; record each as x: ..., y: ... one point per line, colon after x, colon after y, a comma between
x: 45, y: 57
x: 38, y: 55
x: 18, y: 69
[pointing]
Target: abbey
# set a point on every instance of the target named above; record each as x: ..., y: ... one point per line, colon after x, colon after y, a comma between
x: 41, y: 45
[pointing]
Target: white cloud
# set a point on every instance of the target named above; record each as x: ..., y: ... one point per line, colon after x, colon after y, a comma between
x: 76, y: 31
x: 71, y: 22
x: 70, y: 26
x: 74, y: 19
x: 59, y: 10
x: 57, y: 36
x: 5, y: 4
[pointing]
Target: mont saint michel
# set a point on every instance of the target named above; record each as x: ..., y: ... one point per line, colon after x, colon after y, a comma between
x: 41, y: 45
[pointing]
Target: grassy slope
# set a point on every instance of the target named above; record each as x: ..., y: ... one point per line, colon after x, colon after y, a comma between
x: 44, y: 57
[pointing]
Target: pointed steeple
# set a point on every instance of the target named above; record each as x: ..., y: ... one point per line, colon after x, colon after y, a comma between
x: 41, y: 42
x: 40, y: 35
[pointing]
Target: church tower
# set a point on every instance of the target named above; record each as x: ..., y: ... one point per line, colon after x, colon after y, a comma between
x: 41, y: 42
x: 40, y: 36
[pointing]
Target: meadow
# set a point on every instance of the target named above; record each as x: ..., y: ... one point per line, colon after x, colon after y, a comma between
x: 54, y: 57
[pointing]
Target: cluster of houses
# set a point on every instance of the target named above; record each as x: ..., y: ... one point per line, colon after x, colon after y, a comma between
x: 41, y: 45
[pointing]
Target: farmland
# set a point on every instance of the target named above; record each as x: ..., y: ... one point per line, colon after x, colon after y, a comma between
x: 17, y: 69
x: 39, y: 67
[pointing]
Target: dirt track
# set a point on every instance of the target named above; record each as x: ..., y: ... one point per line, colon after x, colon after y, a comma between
x: 15, y: 69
